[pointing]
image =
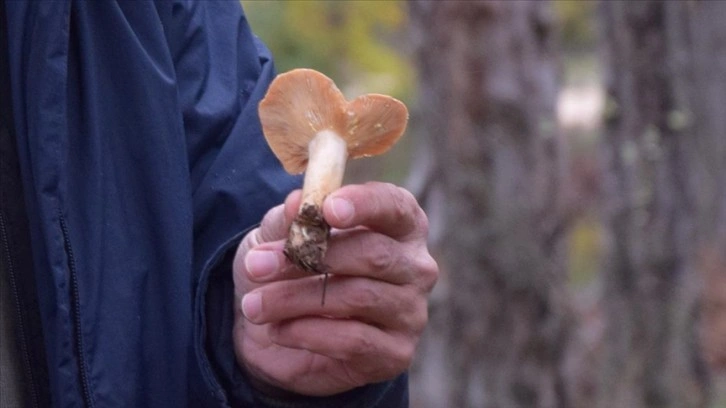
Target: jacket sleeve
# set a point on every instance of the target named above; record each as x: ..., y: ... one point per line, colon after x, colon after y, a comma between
x: 222, y: 71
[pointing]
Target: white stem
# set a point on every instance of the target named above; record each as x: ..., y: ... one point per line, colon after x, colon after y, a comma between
x: 327, y: 155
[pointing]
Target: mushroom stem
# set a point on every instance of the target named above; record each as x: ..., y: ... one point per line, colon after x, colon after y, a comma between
x: 327, y: 155
x: 307, y: 242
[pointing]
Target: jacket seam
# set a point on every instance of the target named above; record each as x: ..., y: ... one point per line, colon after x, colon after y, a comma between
x: 76, y: 310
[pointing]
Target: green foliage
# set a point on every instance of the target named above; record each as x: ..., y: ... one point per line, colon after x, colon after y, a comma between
x: 584, y: 251
x: 350, y: 41
x: 577, y: 23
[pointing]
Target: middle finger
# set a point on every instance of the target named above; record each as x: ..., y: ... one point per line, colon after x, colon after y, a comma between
x: 375, y: 302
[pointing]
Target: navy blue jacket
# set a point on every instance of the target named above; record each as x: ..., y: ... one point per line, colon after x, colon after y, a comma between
x: 143, y: 164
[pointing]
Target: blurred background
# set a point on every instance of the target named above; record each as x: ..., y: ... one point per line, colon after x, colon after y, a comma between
x: 571, y: 156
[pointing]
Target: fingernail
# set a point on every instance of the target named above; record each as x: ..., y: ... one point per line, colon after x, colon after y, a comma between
x: 261, y: 263
x: 252, y: 305
x: 342, y: 209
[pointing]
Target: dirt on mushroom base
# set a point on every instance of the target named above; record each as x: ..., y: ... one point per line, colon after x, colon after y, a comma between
x: 308, y: 240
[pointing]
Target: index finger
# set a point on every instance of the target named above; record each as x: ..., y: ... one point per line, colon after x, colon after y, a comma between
x: 382, y: 207
x: 272, y: 229
x: 276, y: 223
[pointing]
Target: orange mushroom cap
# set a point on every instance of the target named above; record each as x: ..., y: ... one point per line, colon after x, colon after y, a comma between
x: 303, y: 102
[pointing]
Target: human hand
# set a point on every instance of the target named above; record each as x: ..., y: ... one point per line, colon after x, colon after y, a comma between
x: 376, y: 302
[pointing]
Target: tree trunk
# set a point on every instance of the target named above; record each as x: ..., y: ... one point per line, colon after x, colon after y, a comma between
x: 499, y: 321
x: 664, y: 179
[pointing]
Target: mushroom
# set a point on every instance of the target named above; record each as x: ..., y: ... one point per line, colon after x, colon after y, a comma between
x: 312, y: 128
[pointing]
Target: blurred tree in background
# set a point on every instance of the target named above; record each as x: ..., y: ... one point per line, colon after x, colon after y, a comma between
x: 653, y: 170
x: 664, y: 198
x: 488, y: 77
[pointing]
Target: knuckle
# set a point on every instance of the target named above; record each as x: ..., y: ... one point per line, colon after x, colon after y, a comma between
x: 403, y: 202
x: 417, y: 315
x: 407, y: 196
x: 398, y: 359
x: 381, y: 256
x: 407, y: 206
x: 361, y: 345
x: 362, y: 298
x: 422, y: 222
x: 414, y: 312
x: 428, y: 271
x: 405, y: 355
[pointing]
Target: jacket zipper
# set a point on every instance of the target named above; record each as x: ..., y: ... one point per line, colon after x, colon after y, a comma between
x: 25, y: 354
x: 76, y: 310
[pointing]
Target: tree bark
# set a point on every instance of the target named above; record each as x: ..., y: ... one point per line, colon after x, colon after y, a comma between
x: 665, y: 121
x: 499, y: 322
